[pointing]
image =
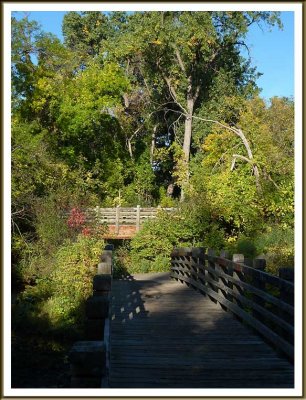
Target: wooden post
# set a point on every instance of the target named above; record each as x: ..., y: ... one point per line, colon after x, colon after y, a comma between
x: 138, y: 218
x: 239, y: 259
x: 224, y: 254
x: 288, y: 275
x: 87, y: 363
x: 260, y: 265
x: 288, y: 297
x: 196, y: 254
x: 211, y: 264
x: 117, y: 219
x: 97, y: 221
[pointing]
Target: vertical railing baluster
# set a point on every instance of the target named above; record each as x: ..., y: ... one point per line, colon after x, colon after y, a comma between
x: 259, y: 264
x: 224, y: 254
x: 239, y: 259
x: 137, y: 218
x: 211, y: 264
x: 117, y: 219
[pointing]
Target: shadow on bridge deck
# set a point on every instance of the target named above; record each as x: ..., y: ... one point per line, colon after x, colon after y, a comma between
x: 166, y: 335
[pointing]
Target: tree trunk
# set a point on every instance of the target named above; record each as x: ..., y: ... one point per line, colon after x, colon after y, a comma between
x: 152, y: 145
x: 187, y: 140
x: 188, y: 130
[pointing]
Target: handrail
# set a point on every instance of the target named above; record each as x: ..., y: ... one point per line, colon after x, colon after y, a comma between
x: 263, y: 301
x: 120, y: 216
x: 106, y: 268
x: 90, y: 358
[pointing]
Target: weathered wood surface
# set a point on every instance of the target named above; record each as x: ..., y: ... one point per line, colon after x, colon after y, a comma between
x: 166, y: 335
x: 242, y: 289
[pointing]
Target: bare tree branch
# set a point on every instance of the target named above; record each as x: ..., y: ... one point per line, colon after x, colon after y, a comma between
x: 243, y: 158
x: 241, y: 135
x: 129, y: 142
x: 222, y: 156
x: 173, y: 93
x: 18, y: 212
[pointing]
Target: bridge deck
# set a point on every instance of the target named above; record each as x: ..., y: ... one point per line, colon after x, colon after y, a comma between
x: 166, y: 335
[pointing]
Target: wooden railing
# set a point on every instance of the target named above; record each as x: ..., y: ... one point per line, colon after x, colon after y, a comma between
x: 120, y: 216
x: 90, y: 358
x: 264, y: 301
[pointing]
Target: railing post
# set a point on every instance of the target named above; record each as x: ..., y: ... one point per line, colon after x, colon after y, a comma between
x: 288, y: 297
x: 224, y: 254
x: 197, y: 258
x: 288, y: 275
x: 137, y: 218
x: 260, y: 265
x: 211, y: 264
x: 239, y: 259
x: 97, y: 209
x: 117, y: 219
x: 185, y: 254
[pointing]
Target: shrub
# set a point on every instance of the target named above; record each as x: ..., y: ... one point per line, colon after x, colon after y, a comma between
x: 152, y: 245
x: 51, y: 228
x: 277, y: 244
x: 247, y: 248
x: 76, y: 264
x: 57, y: 300
x: 122, y: 261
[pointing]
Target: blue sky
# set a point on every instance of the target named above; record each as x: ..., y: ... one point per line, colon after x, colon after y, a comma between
x: 272, y: 52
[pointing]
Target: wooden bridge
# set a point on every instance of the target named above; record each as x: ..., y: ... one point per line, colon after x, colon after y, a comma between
x: 122, y: 222
x: 210, y: 322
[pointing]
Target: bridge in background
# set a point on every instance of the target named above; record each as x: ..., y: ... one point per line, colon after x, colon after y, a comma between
x: 123, y: 222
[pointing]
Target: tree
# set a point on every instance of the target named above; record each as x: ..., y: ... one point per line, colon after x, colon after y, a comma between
x: 85, y: 32
x: 187, y: 50
x: 226, y: 172
x: 23, y: 44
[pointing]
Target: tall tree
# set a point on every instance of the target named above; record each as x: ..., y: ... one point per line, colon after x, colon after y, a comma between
x: 187, y: 50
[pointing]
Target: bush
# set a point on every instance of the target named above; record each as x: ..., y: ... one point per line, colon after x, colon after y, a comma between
x: 76, y: 264
x: 122, y: 261
x: 247, y: 248
x: 277, y: 244
x: 57, y: 300
x: 152, y: 245
x: 50, y: 225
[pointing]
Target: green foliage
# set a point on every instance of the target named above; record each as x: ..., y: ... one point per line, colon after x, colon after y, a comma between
x: 50, y: 225
x: 122, y: 261
x: 24, y: 35
x: 100, y: 120
x: 83, y: 32
x: 164, y: 200
x: 75, y: 266
x: 247, y: 248
x: 152, y: 245
x: 56, y: 301
x: 277, y: 243
x: 97, y: 120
